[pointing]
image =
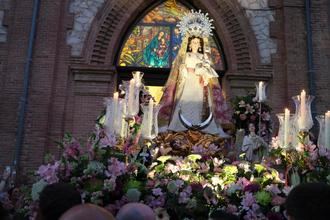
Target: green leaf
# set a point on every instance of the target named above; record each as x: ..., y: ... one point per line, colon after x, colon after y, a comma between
x: 163, y: 159
x: 194, y: 157
x: 259, y: 168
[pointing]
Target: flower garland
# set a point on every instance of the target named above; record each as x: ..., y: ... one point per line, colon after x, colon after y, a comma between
x: 247, y: 110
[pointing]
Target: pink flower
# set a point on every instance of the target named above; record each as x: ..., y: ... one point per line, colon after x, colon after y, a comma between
x: 213, y: 148
x: 157, y: 192
x: 155, y: 202
x: 324, y: 152
x: 170, y: 168
x: 231, y: 209
x: 204, y: 168
x: 273, y: 189
x: 108, y: 140
x: 150, y: 183
x: 116, y: 168
x: 253, y: 187
x: 278, y: 161
x: 278, y: 200
x: 236, y: 162
x: 276, y: 142
x: 49, y: 172
x: 254, y: 215
x: 72, y: 150
x: 68, y: 169
x: 313, y: 155
x: 243, y: 182
x: 198, y: 150
x: 248, y: 200
x: 184, y: 195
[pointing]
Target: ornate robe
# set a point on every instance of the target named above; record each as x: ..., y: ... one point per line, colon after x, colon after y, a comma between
x: 194, y: 89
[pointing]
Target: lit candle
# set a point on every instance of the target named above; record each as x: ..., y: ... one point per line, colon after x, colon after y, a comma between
x: 131, y: 96
x: 137, y: 78
x: 115, y: 96
x: 303, y: 113
x: 150, y: 116
x: 286, y: 127
x: 327, y: 129
x: 123, y: 127
x: 260, y: 91
x: 115, y: 112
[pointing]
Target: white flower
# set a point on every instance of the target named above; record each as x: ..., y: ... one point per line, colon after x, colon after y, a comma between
x: 241, y: 104
x: 216, y: 181
x: 245, y: 166
x: 37, y: 188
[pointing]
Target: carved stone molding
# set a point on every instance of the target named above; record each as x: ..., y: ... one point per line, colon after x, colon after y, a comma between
x: 92, y: 80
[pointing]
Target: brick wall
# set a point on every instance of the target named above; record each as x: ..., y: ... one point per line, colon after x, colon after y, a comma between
x: 13, y: 56
x: 321, y: 53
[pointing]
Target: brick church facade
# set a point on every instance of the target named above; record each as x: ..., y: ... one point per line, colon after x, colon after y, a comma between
x: 73, y: 61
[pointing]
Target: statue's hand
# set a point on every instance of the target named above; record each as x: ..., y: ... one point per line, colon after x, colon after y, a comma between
x: 183, y: 72
x: 205, y: 80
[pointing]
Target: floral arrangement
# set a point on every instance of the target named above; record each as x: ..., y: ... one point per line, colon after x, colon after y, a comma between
x: 110, y: 172
x: 305, y: 163
x: 186, y: 187
x: 247, y: 110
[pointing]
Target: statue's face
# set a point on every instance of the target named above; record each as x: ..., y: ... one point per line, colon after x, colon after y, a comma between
x: 195, y: 44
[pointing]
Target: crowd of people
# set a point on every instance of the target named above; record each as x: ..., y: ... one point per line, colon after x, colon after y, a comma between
x: 62, y: 201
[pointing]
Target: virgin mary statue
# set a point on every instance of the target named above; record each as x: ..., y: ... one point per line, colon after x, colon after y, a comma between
x: 192, y: 97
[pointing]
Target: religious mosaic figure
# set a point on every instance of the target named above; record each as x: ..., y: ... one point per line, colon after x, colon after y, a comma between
x: 176, y: 42
x: 192, y: 96
x: 156, y: 52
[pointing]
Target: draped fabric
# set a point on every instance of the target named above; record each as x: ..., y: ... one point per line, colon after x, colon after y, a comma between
x: 175, y: 85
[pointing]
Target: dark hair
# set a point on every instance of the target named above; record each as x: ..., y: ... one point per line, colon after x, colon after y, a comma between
x: 222, y: 215
x: 57, y: 198
x: 309, y: 201
x: 4, y: 214
x: 201, y: 41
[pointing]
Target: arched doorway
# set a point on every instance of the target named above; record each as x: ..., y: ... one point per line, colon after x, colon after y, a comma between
x: 151, y: 43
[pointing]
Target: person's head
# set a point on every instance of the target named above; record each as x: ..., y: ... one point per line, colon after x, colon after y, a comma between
x: 57, y: 198
x: 4, y: 213
x: 308, y: 201
x: 252, y: 128
x: 87, y: 212
x: 222, y: 215
x: 136, y: 211
x: 14, y: 193
x: 195, y: 45
x: 161, y: 34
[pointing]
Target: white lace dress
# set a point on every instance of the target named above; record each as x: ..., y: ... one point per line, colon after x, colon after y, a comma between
x: 191, y: 100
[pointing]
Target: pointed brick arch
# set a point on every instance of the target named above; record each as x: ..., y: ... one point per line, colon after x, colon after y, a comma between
x: 232, y: 27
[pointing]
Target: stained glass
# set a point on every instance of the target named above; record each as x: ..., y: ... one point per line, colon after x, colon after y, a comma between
x: 155, y: 40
